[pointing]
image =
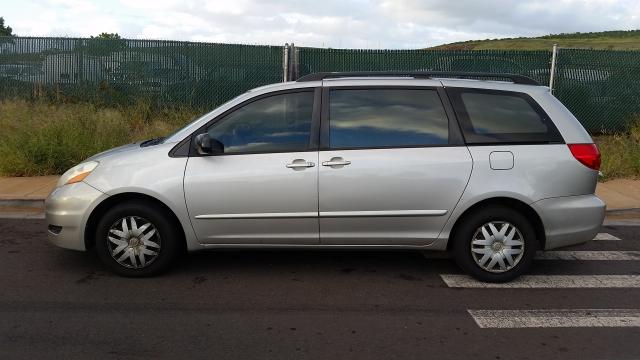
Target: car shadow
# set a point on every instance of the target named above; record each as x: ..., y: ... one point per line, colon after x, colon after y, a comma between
x: 407, y: 265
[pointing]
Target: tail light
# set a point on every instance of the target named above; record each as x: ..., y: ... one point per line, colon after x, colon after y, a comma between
x: 587, y: 154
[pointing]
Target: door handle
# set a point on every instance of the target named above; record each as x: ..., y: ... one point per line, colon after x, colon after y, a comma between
x: 336, y: 161
x: 299, y: 164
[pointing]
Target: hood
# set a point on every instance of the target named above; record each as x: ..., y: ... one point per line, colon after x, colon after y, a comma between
x: 116, y: 150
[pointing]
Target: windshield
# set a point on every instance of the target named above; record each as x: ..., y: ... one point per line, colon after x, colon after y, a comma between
x: 191, y: 121
x: 196, y: 119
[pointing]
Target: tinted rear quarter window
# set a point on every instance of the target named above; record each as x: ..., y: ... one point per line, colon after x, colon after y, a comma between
x: 377, y: 118
x: 490, y: 116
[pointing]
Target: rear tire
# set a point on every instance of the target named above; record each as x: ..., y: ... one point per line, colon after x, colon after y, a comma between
x: 137, y: 239
x: 495, y: 244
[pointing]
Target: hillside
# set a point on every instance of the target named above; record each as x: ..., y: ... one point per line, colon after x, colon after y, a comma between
x: 606, y: 40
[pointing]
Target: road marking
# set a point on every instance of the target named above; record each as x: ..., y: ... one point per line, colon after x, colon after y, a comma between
x: 562, y: 255
x: 548, y: 281
x: 588, y: 255
x: 556, y: 318
x: 605, y: 236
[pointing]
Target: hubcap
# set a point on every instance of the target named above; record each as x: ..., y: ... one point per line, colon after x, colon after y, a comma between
x: 134, y: 242
x: 497, y: 246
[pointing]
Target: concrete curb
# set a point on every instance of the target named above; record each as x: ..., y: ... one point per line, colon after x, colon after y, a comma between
x: 22, y: 216
x: 23, y: 203
x: 623, y: 211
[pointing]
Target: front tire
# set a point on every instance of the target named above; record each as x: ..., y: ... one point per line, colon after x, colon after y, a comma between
x: 495, y: 244
x: 137, y: 239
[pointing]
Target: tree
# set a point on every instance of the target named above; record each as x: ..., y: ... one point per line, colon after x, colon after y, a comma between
x: 6, y: 30
x: 6, y: 33
x: 104, y: 44
x: 111, y: 36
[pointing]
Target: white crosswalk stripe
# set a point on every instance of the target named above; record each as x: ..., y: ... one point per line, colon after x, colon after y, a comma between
x: 548, y: 281
x: 605, y: 236
x: 560, y: 318
x: 556, y: 318
x: 584, y: 255
x: 589, y: 255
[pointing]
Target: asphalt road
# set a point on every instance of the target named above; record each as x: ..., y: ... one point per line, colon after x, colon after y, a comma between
x: 59, y: 304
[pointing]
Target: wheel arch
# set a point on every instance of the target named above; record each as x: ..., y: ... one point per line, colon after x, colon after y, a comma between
x: 518, y: 205
x: 109, y: 202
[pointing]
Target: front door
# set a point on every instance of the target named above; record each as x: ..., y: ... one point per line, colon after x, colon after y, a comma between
x: 264, y: 187
x: 390, y: 171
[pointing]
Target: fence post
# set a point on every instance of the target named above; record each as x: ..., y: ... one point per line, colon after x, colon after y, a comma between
x: 292, y: 63
x: 285, y: 62
x: 296, y: 63
x: 554, y: 59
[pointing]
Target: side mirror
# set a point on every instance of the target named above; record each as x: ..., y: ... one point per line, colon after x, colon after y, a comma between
x: 208, y: 146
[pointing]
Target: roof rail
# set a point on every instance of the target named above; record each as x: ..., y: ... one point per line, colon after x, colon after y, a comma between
x: 516, y: 79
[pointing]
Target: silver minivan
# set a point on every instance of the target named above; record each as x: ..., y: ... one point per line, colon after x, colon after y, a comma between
x: 489, y: 170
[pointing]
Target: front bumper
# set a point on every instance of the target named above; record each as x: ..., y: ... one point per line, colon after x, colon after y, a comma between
x: 67, y: 209
x: 570, y: 220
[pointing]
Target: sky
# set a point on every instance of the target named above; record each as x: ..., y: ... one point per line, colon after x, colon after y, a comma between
x: 390, y: 24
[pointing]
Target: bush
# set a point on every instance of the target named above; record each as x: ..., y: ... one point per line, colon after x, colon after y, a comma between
x: 39, y: 138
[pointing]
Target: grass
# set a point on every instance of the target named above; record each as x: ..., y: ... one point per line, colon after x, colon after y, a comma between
x: 621, y: 153
x: 40, y: 138
x: 608, y: 40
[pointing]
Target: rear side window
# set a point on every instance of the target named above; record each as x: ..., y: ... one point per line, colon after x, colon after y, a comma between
x: 375, y: 118
x: 489, y: 116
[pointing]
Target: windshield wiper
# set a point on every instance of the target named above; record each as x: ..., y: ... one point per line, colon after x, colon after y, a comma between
x: 151, y: 142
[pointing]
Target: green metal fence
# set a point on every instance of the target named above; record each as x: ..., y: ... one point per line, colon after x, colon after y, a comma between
x: 600, y: 87
x: 122, y: 71
x: 531, y: 63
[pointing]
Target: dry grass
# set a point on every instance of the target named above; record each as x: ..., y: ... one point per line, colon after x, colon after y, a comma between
x: 621, y: 153
x: 39, y: 138
x: 608, y: 40
x: 544, y: 44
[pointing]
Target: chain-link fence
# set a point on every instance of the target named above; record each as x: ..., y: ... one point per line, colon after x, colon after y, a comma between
x: 600, y: 87
x: 119, y: 71
x: 531, y: 63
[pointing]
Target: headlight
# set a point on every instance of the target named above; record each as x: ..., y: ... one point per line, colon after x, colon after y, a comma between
x: 77, y: 173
